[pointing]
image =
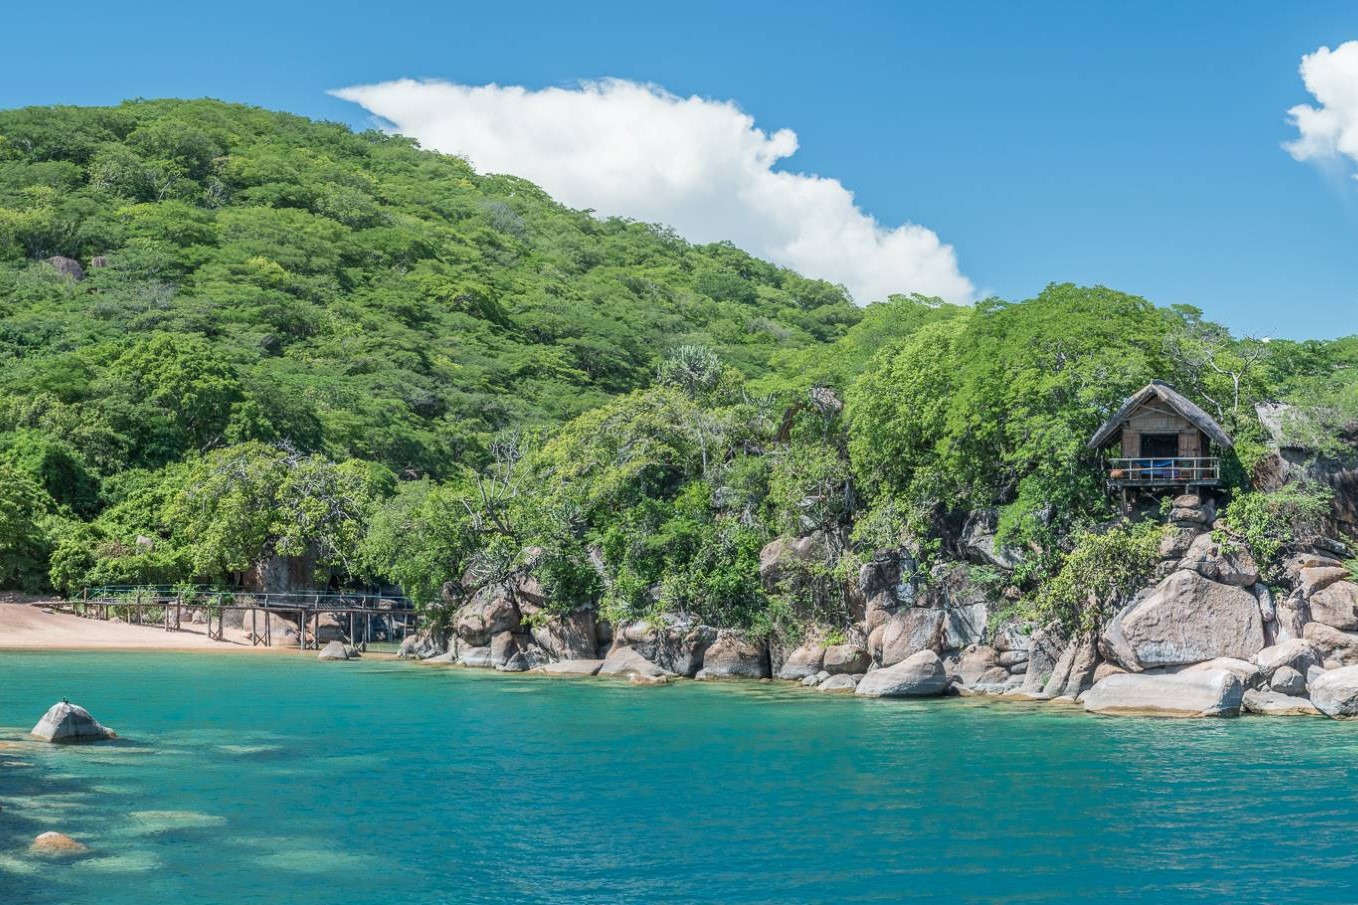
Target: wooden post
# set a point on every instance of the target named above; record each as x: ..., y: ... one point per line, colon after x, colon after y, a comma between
x: 254, y: 628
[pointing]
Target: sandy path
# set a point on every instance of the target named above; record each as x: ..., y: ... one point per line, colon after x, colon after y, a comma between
x: 28, y: 627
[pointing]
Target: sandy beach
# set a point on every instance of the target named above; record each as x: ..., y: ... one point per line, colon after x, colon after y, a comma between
x: 27, y: 627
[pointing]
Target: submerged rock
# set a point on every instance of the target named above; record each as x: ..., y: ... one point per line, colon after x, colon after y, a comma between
x: 1215, y: 692
x: 920, y: 675
x: 52, y: 843
x: 67, y: 722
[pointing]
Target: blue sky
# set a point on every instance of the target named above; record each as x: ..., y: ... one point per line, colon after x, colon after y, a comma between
x: 1137, y: 146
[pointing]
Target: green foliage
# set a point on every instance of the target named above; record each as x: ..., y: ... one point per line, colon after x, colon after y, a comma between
x: 1097, y: 575
x: 1269, y: 521
x: 24, y: 539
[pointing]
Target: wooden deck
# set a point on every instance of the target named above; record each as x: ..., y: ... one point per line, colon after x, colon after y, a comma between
x: 369, y: 617
x: 1204, y: 471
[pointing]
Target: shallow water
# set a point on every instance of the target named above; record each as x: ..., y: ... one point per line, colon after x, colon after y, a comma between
x: 281, y: 779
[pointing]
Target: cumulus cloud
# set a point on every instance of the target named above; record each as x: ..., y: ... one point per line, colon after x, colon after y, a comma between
x: 1328, y: 132
x: 701, y: 166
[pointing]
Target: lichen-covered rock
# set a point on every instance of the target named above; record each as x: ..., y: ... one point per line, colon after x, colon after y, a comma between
x: 627, y: 662
x: 840, y: 659
x: 67, y: 722
x: 1335, y: 693
x: 1336, y: 605
x: 734, y: 656
x: 804, y: 661
x: 1186, y: 619
x: 910, y: 631
x: 1174, y: 543
x: 1207, y: 693
x: 920, y: 675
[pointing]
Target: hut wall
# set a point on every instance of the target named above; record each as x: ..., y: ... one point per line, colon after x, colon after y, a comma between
x: 1155, y: 417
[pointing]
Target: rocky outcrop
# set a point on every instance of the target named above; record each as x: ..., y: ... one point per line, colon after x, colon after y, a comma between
x: 1207, y: 693
x: 1074, y: 670
x: 675, y: 644
x: 626, y: 662
x: 571, y: 636
x: 67, y: 722
x: 1273, y: 703
x: 1188, y: 618
x: 490, y: 612
x: 1335, y: 693
x: 421, y: 646
x: 1296, y: 653
x: 920, y: 675
x: 908, y: 632
x: 805, y: 661
x: 732, y: 655
x: 1334, y: 604
x: 68, y: 267
x: 1332, y: 645
x: 850, y: 659
x: 783, y: 558
x: 1288, y: 681
x: 980, y: 545
x: 1229, y: 563
x: 842, y: 682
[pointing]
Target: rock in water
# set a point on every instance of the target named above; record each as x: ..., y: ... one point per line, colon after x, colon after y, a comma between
x: 571, y: 667
x: 920, y: 675
x: 1214, y: 692
x: 66, y: 722
x: 802, y: 662
x: 57, y: 844
x: 839, y: 682
x: 335, y: 650
x: 1335, y: 693
x: 734, y: 656
x: 846, y: 659
x: 624, y: 661
x: 1273, y: 703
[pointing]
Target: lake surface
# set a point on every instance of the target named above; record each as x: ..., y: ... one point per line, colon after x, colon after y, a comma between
x: 281, y: 779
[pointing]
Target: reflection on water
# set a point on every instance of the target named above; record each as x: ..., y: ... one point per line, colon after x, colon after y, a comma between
x: 282, y: 779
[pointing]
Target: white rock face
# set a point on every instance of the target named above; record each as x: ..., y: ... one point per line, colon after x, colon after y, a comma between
x: 920, y: 675
x: 1187, y: 619
x: 1335, y: 693
x: 1215, y: 692
x: 67, y: 722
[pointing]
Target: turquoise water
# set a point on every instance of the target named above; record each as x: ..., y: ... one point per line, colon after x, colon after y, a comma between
x: 280, y: 779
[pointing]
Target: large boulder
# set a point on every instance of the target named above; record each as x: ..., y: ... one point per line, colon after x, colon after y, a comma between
x: 841, y: 682
x: 850, y: 659
x: 1335, y: 693
x: 1287, y: 680
x: 68, y: 267
x: 910, y: 631
x: 734, y: 656
x: 783, y: 558
x: 1229, y: 563
x: 628, y: 663
x: 1297, y: 653
x: 920, y: 675
x: 571, y: 636
x: 968, y: 666
x: 1074, y: 671
x: 1331, y: 644
x: 1188, y: 618
x: 420, y: 646
x: 490, y: 612
x: 1273, y: 703
x: 1045, y: 648
x: 336, y: 650
x: 1208, y: 693
x: 67, y: 722
x: 802, y: 662
x: 571, y: 667
x: 1336, y: 605
x: 1311, y: 579
x: 964, y: 625
x: 980, y: 545
x: 1250, y: 675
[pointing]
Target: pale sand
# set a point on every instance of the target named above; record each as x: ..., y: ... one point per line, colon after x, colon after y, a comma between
x: 28, y: 628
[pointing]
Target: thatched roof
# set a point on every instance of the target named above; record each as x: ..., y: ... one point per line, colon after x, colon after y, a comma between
x: 1175, y: 400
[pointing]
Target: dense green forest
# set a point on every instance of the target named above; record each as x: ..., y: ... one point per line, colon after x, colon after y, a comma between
x: 292, y: 339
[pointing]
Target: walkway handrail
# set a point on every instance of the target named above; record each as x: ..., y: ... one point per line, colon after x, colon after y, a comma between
x: 1164, y: 470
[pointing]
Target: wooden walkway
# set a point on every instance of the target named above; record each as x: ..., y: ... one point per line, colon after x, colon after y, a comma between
x: 361, y: 618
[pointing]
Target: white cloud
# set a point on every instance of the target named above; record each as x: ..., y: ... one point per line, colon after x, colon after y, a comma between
x: 702, y: 166
x: 1330, y: 130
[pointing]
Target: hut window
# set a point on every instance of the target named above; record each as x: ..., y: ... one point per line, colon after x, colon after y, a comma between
x: 1159, y: 446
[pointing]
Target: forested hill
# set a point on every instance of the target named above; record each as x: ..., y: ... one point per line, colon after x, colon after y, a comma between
x: 229, y: 336
x: 269, y: 277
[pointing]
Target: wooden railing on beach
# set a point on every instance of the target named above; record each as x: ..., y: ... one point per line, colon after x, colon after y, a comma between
x: 370, y: 617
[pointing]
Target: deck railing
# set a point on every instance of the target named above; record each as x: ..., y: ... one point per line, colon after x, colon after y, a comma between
x: 1153, y: 471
